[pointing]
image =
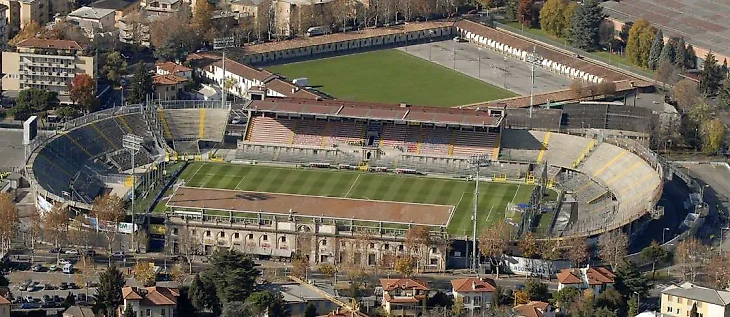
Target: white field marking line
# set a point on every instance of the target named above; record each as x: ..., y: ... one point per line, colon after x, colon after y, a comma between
x: 196, y: 171
x: 513, y: 200
x: 353, y: 185
x: 239, y: 182
x: 453, y: 208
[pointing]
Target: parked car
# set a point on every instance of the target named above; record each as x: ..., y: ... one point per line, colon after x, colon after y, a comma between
x: 64, y: 262
x: 63, y: 285
x: 55, y: 250
x: 57, y: 299
x: 48, y: 287
x: 118, y: 254
x: 37, y: 268
x: 53, y: 268
x: 29, y: 306
x: 72, y: 252
x: 72, y: 285
x: 90, y: 252
x: 29, y: 299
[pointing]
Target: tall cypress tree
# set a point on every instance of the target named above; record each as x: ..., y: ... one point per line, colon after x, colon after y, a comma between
x: 723, y: 95
x: 109, y: 294
x: 656, y: 49
x: 680, y: 56
x: 141, y: 85
x: 710, y: 76
x: 691, y: 57
x: 584, y: 25
x: 668, y: 52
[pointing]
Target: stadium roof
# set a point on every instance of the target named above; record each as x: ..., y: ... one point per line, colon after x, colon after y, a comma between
x: 311, y: 206
x: 375, y: 111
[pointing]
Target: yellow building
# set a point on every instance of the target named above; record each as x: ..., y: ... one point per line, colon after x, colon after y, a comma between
x: 21, y: 12
x: 678, y: 300
x: 45, y: 64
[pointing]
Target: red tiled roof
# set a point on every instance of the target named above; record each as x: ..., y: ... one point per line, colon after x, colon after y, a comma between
x: 566, y: 276
x: 531, y: 309
x: 171, y: 67
x: 45, y: 43
x: 152, y: 296
x: 4, y: 301
x: 377, y: 111
x: 169, y: 79
x: 599, y: 277
x: 402, y: 283
x: 472, y: 285
x: 129, y: 293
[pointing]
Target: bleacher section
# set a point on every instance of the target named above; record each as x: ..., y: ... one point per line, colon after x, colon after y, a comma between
x: 568, y: 148
x: 64, y: 157
x: 194, y: 124
x: 413, y: 139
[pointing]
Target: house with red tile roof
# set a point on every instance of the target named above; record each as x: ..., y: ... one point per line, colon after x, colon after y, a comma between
x: 404, y: 296
x: 171, y: 68
x: 596, y: 278
x: 169, y: 86
x: 4, y: 307
x: 154, y: 301
x: 534, y: 309
x: 475, y: 292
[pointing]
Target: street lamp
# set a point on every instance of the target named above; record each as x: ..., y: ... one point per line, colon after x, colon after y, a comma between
x: 133, y: 144
x: 430, y: 41
x: 663, y: 231
x: 476, y: 161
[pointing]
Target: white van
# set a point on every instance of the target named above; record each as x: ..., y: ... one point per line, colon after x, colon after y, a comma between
x: 315, y: 31
x: 68, y: 268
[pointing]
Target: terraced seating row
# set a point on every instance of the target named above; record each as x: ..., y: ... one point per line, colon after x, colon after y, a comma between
x: 467, y: 143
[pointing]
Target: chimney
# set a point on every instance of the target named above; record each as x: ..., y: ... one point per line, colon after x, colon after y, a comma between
x: 473, y: 285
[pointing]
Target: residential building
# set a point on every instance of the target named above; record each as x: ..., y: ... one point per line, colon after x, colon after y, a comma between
x: 245, y: 8
x: 168, y: 87
x: 76, y: 311
x: 247, y: 81
x: 4, y: 307
x: 120, y: 7
x: 21, y: 12
x: 403, y: 297
x: 134, y: 28
x: 170, y: 68
x: 4, y: 27
x: 161, y: 7
x: 595, y: 278
x: 152, y: 301
x: 534, y: 309
x: 297, y: 296
x: 678, y: 300
x: 476, y: 293
x: 45, y: 64
x: 93, y: 20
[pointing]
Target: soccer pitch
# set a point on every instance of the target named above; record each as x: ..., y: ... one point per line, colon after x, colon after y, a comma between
x: 391, y: 76
x: 361, y: 185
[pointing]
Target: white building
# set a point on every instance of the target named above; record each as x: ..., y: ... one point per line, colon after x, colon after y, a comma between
x: 476, y: 293
x: 170, y: 68
x: 93, y: 20
x: 403, y: 297
x: 596, y: 278
x: 678, y: 300
x: 534, y: 309
x: 296, y: 297
x: 152, y: 301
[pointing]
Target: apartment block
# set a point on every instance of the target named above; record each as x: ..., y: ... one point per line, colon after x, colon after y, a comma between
x: 679, y: 300
x: 4, y: 29
x: 21, y: 12
x: 45, y: 64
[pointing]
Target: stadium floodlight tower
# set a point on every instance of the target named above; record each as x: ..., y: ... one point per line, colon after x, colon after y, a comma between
x: 534, y: 60
x: 477, y: 161
x: 133, y: 144
x: 221, y: 43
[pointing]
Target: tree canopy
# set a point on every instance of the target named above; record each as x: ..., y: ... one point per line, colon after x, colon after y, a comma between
x: 82, y: 93
x: 109, y: 293
x: 141, y: 84
x: 585, y: 24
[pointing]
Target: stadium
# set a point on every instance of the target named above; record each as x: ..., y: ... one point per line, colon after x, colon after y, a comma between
x: 265, y: 176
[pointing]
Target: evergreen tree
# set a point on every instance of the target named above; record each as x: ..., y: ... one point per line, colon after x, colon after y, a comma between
x: 266, y: 302
x: 668, y: 52
x: 710, y: 76
x: 693, y: 311
x: 202, y: 294
x: 129, y: 312
x: 680, y: 56
x: 526, y: 12
x: 310, y: 310
x: 141, y: 84
x: 584, y: 25
x: 723, y: 95
x: 184, y: 307
x: 510, y: 10
x: 629, y: 280
x: 109, y: 293
x: 691, y: 57
x: 657, y: 47
x: 724, y: 67
x: 233, y: 274
x: 69, y: 301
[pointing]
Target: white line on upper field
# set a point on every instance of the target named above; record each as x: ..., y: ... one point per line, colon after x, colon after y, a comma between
x: 516, y: 191
x: 239, y: 182
x: 353, y: 185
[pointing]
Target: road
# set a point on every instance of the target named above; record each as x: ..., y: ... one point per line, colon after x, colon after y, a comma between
x: 488, y: 66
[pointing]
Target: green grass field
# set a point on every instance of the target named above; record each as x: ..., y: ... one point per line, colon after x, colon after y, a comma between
x: 392, y: 76
x: 351, y: 184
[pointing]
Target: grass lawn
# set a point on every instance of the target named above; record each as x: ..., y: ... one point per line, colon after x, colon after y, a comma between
x: 391, y: 76
x: 351, y: 184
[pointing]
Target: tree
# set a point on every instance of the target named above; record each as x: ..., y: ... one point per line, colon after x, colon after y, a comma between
x: 691, y: 57
x: 536, y: 290
x: 656, y: 49
x: 328, y: 270
x: 8, y: 220
x: 109, y: 293
x: 712, y: 133
x: 552, y: 19
x: 611, y: 299
x: 638, y: 45
x: 668, y: 52
x: 494, y: 241
x: 526, y: 12
x: 310, y: 310
x: 34, y: 229
x: 710, y: 76
x: 300, y: 267
x: 144, y: 273
x: 55, y: 224
x: 82, y: 93
x: 566, y: 296
x: 458, y: 308
x: 577, y: 89
x: 417, y: 240
x: 528, y: 245
x: 33, y: 100
x: 653, y: 253
x: 405, y: 265
x: 685, y: 94
x: 606, y: 88
x: 29, y: 30
x: 612, y: 247
x: 585, y: 24
x: 202, y: 18
x: 680, y: 54
x: 109, y: 212
x: 202, y: 294
x: 629, y: 281
x: 185, y: 308
x: 666, y: 73
x: 115, y: 66
x: 521, y: 297
x: 129, y: 311
x: 141, y: 84
x: 568, y: 17
x: 723, y: 95
x: 510, y: 10
x: 233, y: 274
x: 237, y: 308
x: 577, y: 250
x: 175, y: 38
x: 266, y: 303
